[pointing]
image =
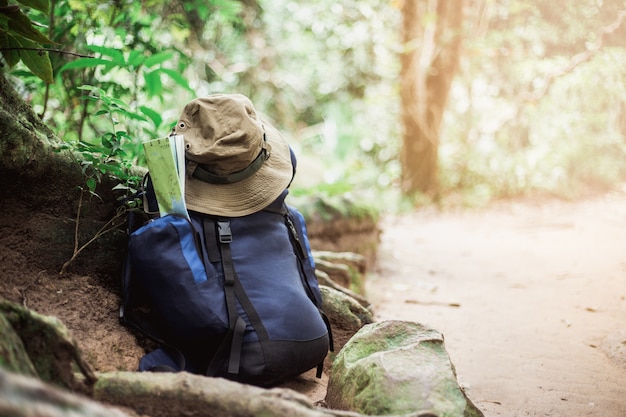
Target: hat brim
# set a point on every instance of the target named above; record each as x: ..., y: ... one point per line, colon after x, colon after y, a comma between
x: 249, y: 195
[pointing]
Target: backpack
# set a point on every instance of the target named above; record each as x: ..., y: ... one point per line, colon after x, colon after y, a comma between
x: 230, y: 297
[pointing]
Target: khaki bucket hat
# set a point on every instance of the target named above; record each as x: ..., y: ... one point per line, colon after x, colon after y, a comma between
x: 236, y: 163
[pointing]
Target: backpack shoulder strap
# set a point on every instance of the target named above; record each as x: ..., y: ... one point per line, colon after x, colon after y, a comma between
x: 297, y: 231
x: 294, y: 226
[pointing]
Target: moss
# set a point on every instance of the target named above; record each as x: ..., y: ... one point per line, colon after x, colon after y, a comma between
x: 394, y: 368
x: 48, y: 344
x: 357, y: 281
x: 13, y: 356
x: 329, y: 208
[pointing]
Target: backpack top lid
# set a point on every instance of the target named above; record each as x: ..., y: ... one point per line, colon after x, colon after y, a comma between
x: 236, y: 163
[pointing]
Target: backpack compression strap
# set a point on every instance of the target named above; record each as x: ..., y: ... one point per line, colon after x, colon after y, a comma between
x: 234, y: 338
x: 232, y: 345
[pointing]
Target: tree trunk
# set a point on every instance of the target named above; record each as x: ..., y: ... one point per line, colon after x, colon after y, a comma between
x: 39, y: 185
x: 431, y: 33
x: 41, y: 346
x: 27, y: 144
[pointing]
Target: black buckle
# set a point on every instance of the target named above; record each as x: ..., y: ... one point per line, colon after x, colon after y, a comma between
x: 223, y: 230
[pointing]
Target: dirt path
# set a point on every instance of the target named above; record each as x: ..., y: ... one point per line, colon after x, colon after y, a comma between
x: 528, y: 297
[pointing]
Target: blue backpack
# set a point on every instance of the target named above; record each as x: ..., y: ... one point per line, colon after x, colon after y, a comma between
x: 231, y: 297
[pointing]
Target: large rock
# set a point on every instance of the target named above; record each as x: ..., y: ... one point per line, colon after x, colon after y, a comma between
x: 346, y: 315
x: 346, y: 269
x: 341, y: 224
x: 396, y: 368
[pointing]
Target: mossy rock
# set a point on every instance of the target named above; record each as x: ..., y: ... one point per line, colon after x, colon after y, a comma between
x: 397, y: 368
x: 341, y: 224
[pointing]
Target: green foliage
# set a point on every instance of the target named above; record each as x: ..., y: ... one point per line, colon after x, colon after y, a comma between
x: 538, y: 107
x: 329, y: 207
x: 522, y: 119
x: 21, y: 41
x: 106, y: 104
x: 133, y: 64
x: 109, y: 155
x: 340, y: 70
x: 147, y: 73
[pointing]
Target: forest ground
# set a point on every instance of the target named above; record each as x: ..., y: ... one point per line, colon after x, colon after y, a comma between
x: 530, y: 297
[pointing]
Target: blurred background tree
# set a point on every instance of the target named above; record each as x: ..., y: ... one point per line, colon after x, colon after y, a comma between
x: 461, y: 102
x: 431, y: 37
x: 537, y: 107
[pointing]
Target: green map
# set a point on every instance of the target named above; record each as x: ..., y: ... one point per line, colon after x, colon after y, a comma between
x: 166, y: 163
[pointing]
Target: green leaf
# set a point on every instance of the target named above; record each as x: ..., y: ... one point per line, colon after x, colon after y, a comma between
x: 22, y: 73
x: 85, y: 63
x: 178, y: 78
x: 4, y: 20
x: 87, y: 87
x: 158, y: 58
x: 38, y: 63
x: 118, y: 57
x: 120, y: 103
x: 20, y: 24
x: 135, y: 58
x: 91, y: 184
x: 136, y: 116
x: 152, y: 115
x: 95, y: 93
x: 153, y: 82
x: 41, y: 5
x: 107, y: 140
x: 121, y: 187
x: 89, y: 97
x: 12, y: 57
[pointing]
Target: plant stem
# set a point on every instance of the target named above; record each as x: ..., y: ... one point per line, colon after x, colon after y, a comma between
x: 103, y: 230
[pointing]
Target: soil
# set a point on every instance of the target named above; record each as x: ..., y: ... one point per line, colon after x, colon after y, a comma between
x: 530, y: 297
